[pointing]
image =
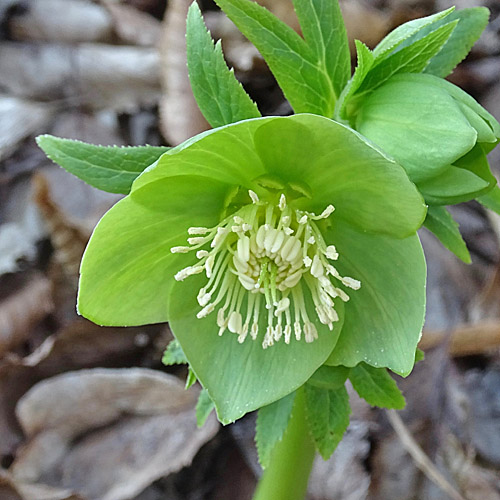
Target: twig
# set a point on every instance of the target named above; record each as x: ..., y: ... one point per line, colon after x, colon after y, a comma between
x: 465, y: 340
x: 422, y: 461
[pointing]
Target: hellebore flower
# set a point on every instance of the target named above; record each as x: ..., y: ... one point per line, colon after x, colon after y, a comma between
x: 436, y: 131
x: 272, y: 246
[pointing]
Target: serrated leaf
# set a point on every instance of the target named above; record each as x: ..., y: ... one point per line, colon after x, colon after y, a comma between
x: 174, y: 355
x: 405, y: 31
x: 327, y: 414
x: 324, y: 31
x: 472, y: 23
x: 110, y: 168
x: 220, y: 97
x: 411, y: 59
x: 190, y: 379
x: 441, y: 223
x: 376, y: 386
x: 204, y: 407
x: 364, y: 64
x: 272, y: 421
x: 419, y: 355
x: 491, y: 200
x: 329, y: 377
x: 293, y: 63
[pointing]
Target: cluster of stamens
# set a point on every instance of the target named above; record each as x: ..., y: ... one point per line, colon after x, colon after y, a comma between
x: 266, y: 254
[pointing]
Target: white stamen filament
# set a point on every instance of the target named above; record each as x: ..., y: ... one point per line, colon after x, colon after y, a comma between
x: 269, y: 252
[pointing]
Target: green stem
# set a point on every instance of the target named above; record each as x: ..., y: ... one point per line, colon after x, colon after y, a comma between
x: 287, y: 475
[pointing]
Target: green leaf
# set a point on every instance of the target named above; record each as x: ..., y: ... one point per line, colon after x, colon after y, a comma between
x: 491, y: 200
x: 327, y: 414
x: 411, y: 59
x: 441, y: 223
x: 418, y: 123
x: 376, y: 386
x: 384, y: 318
x: 329, y: 377
x: 272, y: 421
x: 190, y: 379
x: 203, y: 408
x: 324, y: 31
x: 365, y: 62
x: 127, y: 269
x: 221, y: 98
x: 243, y: 377
x: 405, y: 31
x: 419, y: 355
x: 110, y: 168
x: 472, y: 23
x: 294, y: 64
x: 174, y: 355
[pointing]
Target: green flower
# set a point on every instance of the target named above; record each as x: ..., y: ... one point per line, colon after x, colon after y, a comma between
x: 436, y: 131
x: 272, y: 246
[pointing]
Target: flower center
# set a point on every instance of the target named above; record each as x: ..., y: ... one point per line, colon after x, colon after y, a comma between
x: 270, y: 255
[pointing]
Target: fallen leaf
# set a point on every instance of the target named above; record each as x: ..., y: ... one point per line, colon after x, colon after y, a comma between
x: 61, y: 21
x: 19, y: 118
x: 97, y: 75
x: 132, y: 25
x: 20, y: 311
x: 107, y: 434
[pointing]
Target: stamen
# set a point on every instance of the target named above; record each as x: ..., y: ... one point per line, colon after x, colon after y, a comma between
x: 267, y: 256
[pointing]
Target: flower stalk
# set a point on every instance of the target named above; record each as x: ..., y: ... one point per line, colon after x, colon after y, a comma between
x: 287, y: 475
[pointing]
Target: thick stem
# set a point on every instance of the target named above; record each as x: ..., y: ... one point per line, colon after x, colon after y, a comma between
x: 287, y: 475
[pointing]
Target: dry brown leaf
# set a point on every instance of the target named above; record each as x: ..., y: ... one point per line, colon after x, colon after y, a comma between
x: 363, y: 22
x: 61, y: 21
x: 19, y: 118
x: 343, y: 476
x: 80, y: 344
x: 180, y: 117
x: 108, y: 434
x: 10, y: 489
x: 132, y: 25
x: 22, y: 310
x: 97, y: 75
x: 68, y: 239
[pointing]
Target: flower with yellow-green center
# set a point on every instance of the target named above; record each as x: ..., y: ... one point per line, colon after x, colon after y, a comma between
x: 272, y: 246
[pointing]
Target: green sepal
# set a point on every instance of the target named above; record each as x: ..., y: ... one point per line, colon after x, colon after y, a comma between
x: 441, y: 223
x: 324, y: 31
x: 407, y: 30
x: 204, y: 407
x: 244, y: 377
x: 329, y: 377
x: 411, y: 59
x: 174, y: 355
x: 109, y: 168
x: 491, y: 200
x: 469, y: 177
x: 376, y: 386
x: 220, y: 97
x: 272, y: 421
x: 420, y: 124
x: 327, y: 415
x: 296, y: 67
x: 384, y: 318
x: 129, y: 250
